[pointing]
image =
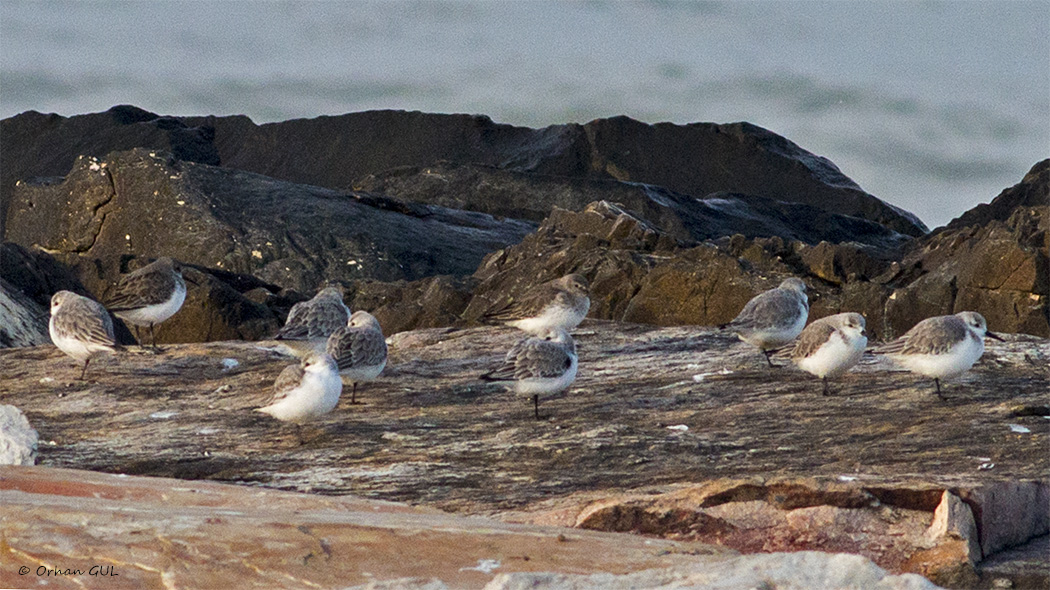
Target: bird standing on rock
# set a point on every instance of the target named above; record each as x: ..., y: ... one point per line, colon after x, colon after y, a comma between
x: 561, y: 303
x: 149, y: 296
x: 538, y: 365
x: 310, y: 323
x: 772, y: 318
x: 831, y: 346
x: 80, y: 327
x: 941, y: 347
x: 359, y: 349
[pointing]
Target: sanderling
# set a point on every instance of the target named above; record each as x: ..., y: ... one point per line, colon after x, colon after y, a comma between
x: 561, y: 303
x: 773, y: 318
x: 539, y: 365
x: 149, y: 295
x: 306, y: 390
x: 830, y: 346
x: 359, y: 349
x: 310, y: 323
x: 941, y: 347
x: 80, y: 327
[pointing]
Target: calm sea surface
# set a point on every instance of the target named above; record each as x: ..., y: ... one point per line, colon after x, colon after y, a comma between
x: 932, y: 106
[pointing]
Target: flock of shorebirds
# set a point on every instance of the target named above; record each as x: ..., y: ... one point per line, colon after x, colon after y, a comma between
x: 333, y: 343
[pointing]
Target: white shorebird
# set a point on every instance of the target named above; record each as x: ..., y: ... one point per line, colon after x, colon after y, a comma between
x: 561, y: 303
x: 148, y: 296
x: 539, y: 365
x: 359, y: 349
x: 306, y: 390
x: 80, y: 327
x: 941, y: 347
x: 772, y: 318
x: 310, y: 323
x: 831, y: 346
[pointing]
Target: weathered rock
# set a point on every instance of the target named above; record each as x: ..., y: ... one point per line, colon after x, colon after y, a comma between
x: 1001, y: 270
x: 698, y: 160
x: 684, y: 217
x: 1019, y: 567
x: 18, y: 440
x: 653, y: 411
x: 158, y: 533
x: 783, y: 571
x: 238, y: 226
x: 1032, y: 191
x: 23, y: 322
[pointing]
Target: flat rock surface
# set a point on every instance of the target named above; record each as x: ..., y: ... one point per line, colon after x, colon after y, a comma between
x: 651, y: 406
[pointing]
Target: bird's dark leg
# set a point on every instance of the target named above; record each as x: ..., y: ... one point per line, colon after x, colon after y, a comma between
x: 138, y: 338
x: 153, y: 339
x: 353, y: 394
x: 767, y: 353
x: 299, y: 433
x: 84, y: 370
x: 937, y: 382
x: 536, y: 405
x: 826, y: 392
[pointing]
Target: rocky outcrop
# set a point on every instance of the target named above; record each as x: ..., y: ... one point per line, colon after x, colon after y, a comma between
x: 1000, y: 269
x: 511, y: 193
x: 204, y: 535
x: 715, y: 444
x: 240, y: 232
x: 697, y: 160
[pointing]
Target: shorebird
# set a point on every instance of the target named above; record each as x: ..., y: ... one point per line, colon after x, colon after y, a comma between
x: 306, y: 390
x: 80, y: 327
x: 561, y: 303
x: 149, y: 295
x: 538, y: 365
x: 359, y: 349
x: 831, y: 346
x: 772, y: 318
x: 310, y: 323
x: 941, y: 347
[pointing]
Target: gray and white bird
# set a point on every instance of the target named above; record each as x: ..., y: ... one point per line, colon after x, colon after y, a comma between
x: 80, y: 327
x: 561, y: 303
x: 831, y: 346
x: 310, y: 323
x: 306, y: 390
x: 941, y: 347
x: 359, y: 349
x: 538, y: 365
x: 773, y: 318
x: 149, y: 295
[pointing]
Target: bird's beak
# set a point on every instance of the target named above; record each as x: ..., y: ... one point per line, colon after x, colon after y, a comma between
x: 864, y: 333
x: 994, y: 336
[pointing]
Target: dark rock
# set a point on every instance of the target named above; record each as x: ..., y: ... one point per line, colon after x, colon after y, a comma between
x: 530, y: 196
x: 407, y: 305
x: 1000, y: 270
x: 696, y: 160
x: 37, y: 274
x: 141, y: 203
x: 1032, y: 191
x: 39, y: 145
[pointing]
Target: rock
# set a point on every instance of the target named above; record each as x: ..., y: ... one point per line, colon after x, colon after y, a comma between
x: 686, y: 428
x: 1020, y: 567
x: 243, y: 230
x: 510, y: 193
x: 23, y: 322
x: 697, y: 160
x: 1032, y: 191
x: 18, y: 440
x: 1000, y: 270
x: 427, y: 303
x: 78, y: 520
x: 781, y: 571
x: 49, y: 145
